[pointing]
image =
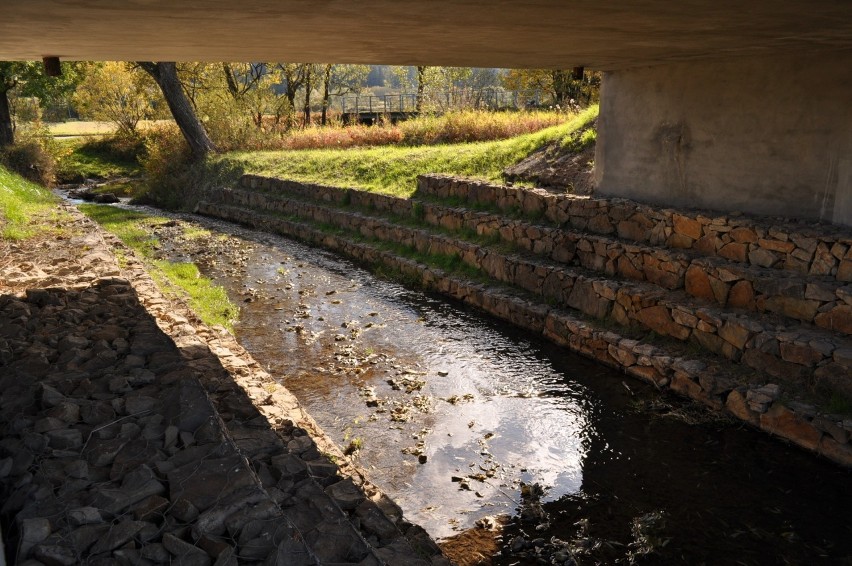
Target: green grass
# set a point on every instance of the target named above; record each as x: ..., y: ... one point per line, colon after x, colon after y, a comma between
x: 393, y: 170
x: 20, y: 202
x: 93, y: 160
x: 209, y: 301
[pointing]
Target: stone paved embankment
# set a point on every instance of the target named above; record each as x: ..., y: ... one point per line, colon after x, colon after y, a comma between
x: 578, y: 261
x: 131, y: 433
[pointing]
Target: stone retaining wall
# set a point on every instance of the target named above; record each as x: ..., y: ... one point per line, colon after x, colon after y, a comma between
x: 820, y: 300
x: 792, y: 354
x: 755, y: 241
x: 759, y: 405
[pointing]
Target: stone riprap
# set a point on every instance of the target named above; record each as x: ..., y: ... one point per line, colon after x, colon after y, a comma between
x: 823, y: 299
x: 800, y: 247
x: 134, y: 434
x: 785, y: 350
x: 754, y: 361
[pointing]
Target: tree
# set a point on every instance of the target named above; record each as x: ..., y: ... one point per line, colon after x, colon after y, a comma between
x: 292, y: 77
x: 339, y: 80
x: 560, y: 84
x: 165, y: 75
x: 417, y: 79
x: 29, y: 79
x: 112, y: 92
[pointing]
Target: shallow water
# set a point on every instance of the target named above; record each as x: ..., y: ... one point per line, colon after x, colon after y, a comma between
x: 491, y: 406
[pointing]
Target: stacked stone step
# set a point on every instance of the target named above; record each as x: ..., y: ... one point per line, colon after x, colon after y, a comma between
x: 130, y: 439
x: 716, y: 384
x: 816, y: 291
x: 784, y: 349
x: 779, y: 348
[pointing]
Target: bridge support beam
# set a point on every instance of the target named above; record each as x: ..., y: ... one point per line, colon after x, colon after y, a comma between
x: 763, y: 135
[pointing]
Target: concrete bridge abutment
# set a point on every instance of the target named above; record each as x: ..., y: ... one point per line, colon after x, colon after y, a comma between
x: 768, y: 134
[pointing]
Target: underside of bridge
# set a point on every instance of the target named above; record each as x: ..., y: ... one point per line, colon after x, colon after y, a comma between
x: 710, y: 103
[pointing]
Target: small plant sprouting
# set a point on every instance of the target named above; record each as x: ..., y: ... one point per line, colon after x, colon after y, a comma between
x: 354, y: 446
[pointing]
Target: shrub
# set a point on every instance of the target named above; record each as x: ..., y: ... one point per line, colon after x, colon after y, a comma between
x: 101, y: 158
x: 34, y: 155
x: 173, y: 179
x: 120, y: 146
x: 165, y: 162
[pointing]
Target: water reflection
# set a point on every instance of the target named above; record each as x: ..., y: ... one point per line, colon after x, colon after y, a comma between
x: 491, y: 408
x: 487, y: 402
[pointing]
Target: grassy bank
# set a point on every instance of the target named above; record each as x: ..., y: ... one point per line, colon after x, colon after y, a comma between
x: 176, y: 279
x: 392, y: 170
x: 21, y: 202
x: 96, y: 159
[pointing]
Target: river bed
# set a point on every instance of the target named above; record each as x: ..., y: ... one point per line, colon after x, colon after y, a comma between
x: 449, y: 411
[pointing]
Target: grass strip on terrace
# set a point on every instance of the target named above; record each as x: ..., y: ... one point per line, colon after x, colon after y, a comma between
x: 393, y: 170
x: 176, y: 279
x: 20, y: 202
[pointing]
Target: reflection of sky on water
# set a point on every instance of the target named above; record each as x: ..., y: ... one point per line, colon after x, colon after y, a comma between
x: 535, y: 417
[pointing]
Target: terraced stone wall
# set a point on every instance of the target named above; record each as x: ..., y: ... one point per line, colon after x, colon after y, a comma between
x: 799, y: 247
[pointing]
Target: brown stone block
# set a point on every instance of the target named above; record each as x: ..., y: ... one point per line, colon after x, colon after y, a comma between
x: 619, y: 315
x: 681, y: 383
x: 741, y: 295
x: 601, y: 224
x: 625, y: 268
x: 584, y: 298
x: 737, y: 405
x: 734, y: 251
x: 844, y: 270
x: 720, y: 290
x: 665, y: 279
x: 743, y: 235
x: 823, y: 261
x: 799, y: 354
x: 833, y: 450
x: 781, y: 421
x: 630, y: 230
x: 839, y: 319
x: 708, y: 341
x: 680, y: 241
x: 708, y: 245
x: 647, y: 373
x: 697, y: 283
x: 659, y: 319
x: 800, y: 309
x: 762, y: 257
x: 735, y: 334
x: 686, y: 226
x: 839, y: 250
x: 777, y: 245
x: 775, y: 367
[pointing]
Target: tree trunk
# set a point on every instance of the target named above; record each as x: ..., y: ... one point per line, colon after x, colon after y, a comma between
x: 308, y: 87
x: 165, y: 74
x: 7, y: 132
x: 229, y: 79
x: 325, y: 94
x: 421, y: 87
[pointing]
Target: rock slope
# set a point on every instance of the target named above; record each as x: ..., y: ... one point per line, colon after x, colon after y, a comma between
x: 133, y: 434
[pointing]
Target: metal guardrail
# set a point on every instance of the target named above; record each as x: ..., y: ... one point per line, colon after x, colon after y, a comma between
x: 486, y: 98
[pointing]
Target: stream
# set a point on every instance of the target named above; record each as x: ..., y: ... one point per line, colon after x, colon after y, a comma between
x: 450, y: 411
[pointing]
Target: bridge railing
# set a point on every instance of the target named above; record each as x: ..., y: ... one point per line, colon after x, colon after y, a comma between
x: 441, y: 101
